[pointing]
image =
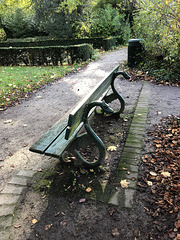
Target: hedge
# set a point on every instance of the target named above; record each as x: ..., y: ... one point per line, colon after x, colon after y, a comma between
x: 48, y: 55
x: 35, y: 42
x: 109, y: 43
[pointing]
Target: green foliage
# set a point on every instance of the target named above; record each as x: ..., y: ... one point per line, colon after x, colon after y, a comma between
x: 109, y: 43
x: 18, y: 24
x: 7, y: 6
x: 108, y: 22
x: 45, y: 55
x: 124, y: 7
x: 121, y: 5
x: 66, y: 19
x: 97, y: 43
x: 2, y: 35
x: 62, y: 25
x: 56, y: 18
x: 159, y: 24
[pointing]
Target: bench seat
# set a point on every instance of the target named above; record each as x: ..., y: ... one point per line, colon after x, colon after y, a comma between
x: 57, y: 139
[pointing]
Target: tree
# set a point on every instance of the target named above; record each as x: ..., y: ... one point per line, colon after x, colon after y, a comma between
x: 108, y: 22
x: 11, y: 5
x: 124, y: 7
x: 16, y: 17
x: 57, y: 18
x: 158, y: 22
x: 18, y: 24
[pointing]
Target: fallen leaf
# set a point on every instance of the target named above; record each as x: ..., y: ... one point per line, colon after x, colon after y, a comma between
x: 111, y: 212
x: 83, y: 171
x: 158, y: 145
x: 177, y: 224
x: 82, y: 200
x: 8, y: 121
x: 63, y: 223
x: 153, y: 174
x: 166, y: 174
x: 178, y: 236
x: 115, y: 232
x: 17, y: 226
x: 112, y: 148
x: 48, y: 226
x: 38, y: 97
x: 124, y: 183
x: 149, y: 183
x: 88, y: 189
x: 34, y: 221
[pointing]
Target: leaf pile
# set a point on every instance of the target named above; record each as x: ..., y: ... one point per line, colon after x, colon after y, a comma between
x: 137, y: 75
x: 161, y: 178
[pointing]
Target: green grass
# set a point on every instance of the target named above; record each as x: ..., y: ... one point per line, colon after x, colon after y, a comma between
x: 17, y: 82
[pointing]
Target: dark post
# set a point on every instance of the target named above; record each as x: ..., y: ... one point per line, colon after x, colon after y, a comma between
x: 135, y: 52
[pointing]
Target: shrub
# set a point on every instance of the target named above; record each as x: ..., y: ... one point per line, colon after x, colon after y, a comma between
x: 108, y: 22
x: 157, y: 22
x: 109, y: 43
x: 2, y: 35
x: 48, y: 55
x: 18, y: 24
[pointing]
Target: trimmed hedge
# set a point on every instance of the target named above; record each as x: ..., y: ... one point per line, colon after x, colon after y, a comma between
x: 48, y: 55
x: 109, y: 43
x: 35, y: 42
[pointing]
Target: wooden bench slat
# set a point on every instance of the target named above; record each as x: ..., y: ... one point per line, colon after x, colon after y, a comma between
x: 48, y: 138
x: 60, y: 144
x: 75, y: 116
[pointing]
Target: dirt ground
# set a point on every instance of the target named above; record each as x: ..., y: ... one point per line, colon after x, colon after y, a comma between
x: 59, y: 208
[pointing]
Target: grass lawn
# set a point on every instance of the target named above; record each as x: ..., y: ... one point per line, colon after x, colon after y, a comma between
x: 16, y: 82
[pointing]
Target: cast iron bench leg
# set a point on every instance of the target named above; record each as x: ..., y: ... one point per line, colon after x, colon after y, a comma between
x: 90, y: 136
x: 116, y: 95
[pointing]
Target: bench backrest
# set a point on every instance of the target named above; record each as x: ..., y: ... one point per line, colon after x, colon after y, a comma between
x: 75, y: 117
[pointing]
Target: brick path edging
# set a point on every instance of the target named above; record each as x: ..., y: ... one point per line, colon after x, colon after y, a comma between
x: 10, y: 196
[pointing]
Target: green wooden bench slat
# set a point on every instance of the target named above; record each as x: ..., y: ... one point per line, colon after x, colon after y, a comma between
x: 60, y: 144
x: 47, y: 139
x: 75, y: 116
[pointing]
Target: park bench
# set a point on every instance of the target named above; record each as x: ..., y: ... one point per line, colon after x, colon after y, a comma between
x: 65, y: 132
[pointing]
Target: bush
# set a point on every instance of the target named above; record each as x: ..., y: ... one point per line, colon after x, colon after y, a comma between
x: 157, y: 22
x: 109, y: 43
x: 34, y: 42
x: 2, y: 35
x: 108, y: 22
x: 49, y: 55
x: 17, y: 24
